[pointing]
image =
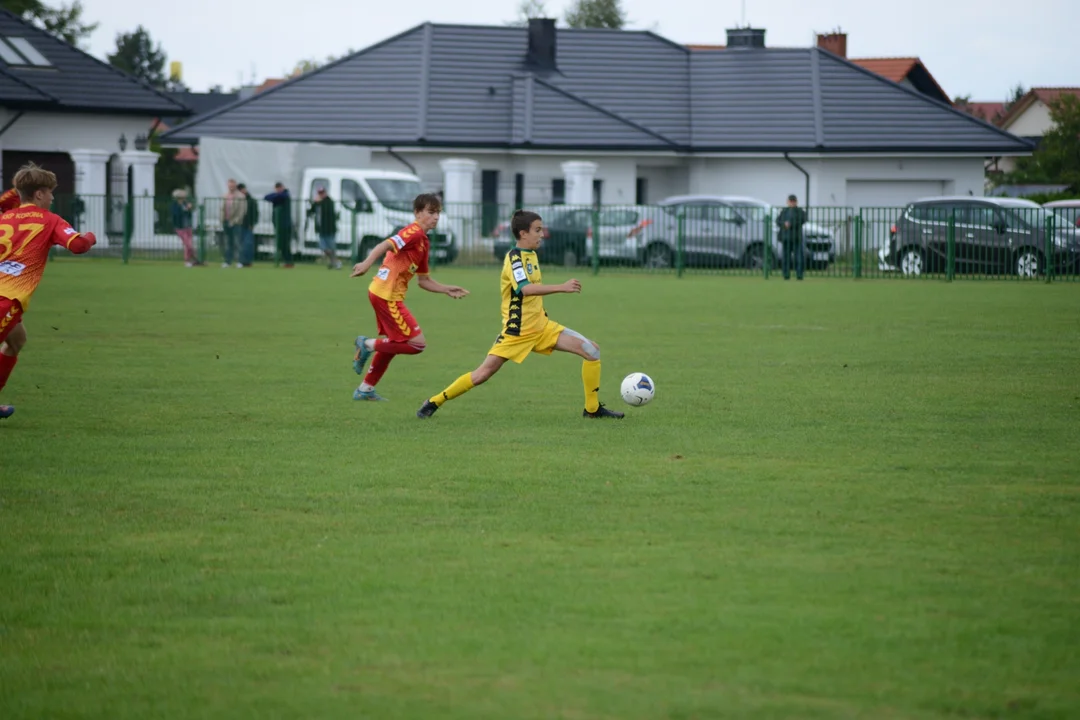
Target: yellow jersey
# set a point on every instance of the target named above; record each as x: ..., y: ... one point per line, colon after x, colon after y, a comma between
x: 521, y: 314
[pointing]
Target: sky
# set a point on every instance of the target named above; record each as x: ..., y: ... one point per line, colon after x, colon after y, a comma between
x: 983, y: 52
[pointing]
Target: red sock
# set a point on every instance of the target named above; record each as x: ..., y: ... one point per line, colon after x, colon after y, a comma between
x: 7, y: 364
x: 389, y: 347
x: 379, y: 363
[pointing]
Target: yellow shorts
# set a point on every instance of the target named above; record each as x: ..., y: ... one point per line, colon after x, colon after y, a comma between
x: 517, y: 348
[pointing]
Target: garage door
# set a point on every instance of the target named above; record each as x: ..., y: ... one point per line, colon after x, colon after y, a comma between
x: 890, y: 193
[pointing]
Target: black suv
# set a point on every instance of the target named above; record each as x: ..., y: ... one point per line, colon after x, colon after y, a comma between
x: 991, y: 236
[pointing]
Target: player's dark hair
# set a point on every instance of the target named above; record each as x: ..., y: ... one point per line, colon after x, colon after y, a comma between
x: 32, y: 178
x: 521, y: 222
x: 427, y: 201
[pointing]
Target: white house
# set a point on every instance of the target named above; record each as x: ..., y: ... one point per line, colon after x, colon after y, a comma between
x: 520, y: 116
x: 81, y: 119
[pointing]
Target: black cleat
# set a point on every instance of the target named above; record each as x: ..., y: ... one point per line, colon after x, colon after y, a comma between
x: 602, y: 412
x: 427, y: 410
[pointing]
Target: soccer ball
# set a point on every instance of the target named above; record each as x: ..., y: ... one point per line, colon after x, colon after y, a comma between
x: 637, y: 389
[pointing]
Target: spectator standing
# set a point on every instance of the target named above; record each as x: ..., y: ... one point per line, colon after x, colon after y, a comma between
x: 181, y: 220
x: 247, y: 227
x: 233, y: 210
x: 282, y: 204
x: 790, y: 222
x: 326, y: 217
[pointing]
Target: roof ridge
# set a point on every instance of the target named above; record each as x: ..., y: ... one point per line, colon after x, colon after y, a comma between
x: 605, y: 111
x: 926, y: 98
x: 296, y: 78
x: 68, y: 46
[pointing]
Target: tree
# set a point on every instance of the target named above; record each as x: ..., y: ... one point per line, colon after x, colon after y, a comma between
x: 1057, y: 159
x: 136, y: 55
x: 596, y: 14
x: 527, y: 10
x: 65, y: 21
x: 1014, y: 97
x: 309, y: 64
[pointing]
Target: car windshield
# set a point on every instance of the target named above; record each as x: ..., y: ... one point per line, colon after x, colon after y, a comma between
x: 395, y: 194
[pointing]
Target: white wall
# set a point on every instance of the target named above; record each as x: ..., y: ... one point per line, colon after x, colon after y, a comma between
x: 773, y: 179
x: 618, y: 173
x: 829, y: 177
x: 61, y: 132
x: 1033, y: 122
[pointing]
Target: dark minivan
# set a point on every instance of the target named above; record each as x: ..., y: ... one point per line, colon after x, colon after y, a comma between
x: 991, y: 236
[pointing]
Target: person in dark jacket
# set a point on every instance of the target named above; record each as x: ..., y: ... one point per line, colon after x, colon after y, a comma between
x: 790, y: 222
x: 326, y: 217
x: 282, y: 203
x: 247, y: 227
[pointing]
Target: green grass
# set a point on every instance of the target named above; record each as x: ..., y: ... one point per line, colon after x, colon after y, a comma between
x: 848, y: 500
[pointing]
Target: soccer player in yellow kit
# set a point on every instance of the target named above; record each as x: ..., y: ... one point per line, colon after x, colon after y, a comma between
x: 526, y: 326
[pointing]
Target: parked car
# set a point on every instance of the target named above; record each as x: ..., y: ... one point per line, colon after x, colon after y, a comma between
x: 565, y: 231
x: 618, y: 230
x: 724, y: 230
x: 991, y: 235
x: 1067, y: 209
x: 819, y: 243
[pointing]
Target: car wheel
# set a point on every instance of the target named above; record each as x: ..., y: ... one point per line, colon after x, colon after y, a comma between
x: 657, y: 256
x: 912, y: 262
x: 1029, y: 263
x: 754, y: 257
x: 570, y: 258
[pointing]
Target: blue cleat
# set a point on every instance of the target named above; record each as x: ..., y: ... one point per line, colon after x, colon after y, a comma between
x: 362, y: 355
x: 6, y: 411
x: 369, y: 395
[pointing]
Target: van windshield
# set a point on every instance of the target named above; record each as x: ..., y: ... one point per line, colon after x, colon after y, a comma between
x: 395, y: 194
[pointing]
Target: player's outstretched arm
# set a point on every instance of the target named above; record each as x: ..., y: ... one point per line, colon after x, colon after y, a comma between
x: 376, y: 252
x: 570, y: 286
x: 431, y: 285
x: 81, y: 243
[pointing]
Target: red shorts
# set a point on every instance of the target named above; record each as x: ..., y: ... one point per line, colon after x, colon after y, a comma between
x: 395, y: 320
x: 10, y: 316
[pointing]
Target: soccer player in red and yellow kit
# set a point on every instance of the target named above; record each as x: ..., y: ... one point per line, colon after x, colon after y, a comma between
x: 27, y: 233
x: 405, y: 255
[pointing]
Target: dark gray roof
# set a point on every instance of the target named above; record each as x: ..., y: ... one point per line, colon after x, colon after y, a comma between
x: 74, y: 81
x: 470, y: 86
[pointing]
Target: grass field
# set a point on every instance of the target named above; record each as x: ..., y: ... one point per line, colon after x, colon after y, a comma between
x: 848, y: 500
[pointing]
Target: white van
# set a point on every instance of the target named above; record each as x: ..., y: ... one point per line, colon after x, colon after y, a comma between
x: 372, y: 206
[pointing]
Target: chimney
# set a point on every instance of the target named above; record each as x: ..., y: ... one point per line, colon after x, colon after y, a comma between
x: 834, y: 42
x: 541, y: 44
x: 745, y: 38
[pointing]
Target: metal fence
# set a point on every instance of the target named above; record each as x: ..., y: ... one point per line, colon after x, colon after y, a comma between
x: 923, y: 240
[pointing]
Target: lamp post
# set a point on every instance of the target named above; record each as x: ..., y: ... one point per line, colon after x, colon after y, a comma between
x: 141, y: 141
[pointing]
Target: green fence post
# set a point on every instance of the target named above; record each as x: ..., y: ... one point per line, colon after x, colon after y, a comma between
x: 858, y: 245
x: 202, y: 233
x: 595, y: 250
x: 766, y: 251
x: 679, y: 244
x: 129, y: 229
x: 1050, y: 230
x: 950, y: 257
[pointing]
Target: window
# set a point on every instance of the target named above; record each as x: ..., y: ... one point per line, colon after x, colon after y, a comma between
x: 931, y: 213
x: 29, y: 51
x: 980, y: 216
x: 597, y: 192
x: 353, y: 197
x: 641, y: 191
x: 558, y: 191
x: 8, y: 54
x: 395, y: 194
x: 618, y: 218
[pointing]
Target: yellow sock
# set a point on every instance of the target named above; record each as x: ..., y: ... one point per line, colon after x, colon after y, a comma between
x: 459, y: 387
x: 590, y: 377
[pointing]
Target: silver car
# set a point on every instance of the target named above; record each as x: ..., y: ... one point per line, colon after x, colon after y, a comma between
x: 720, y: 230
